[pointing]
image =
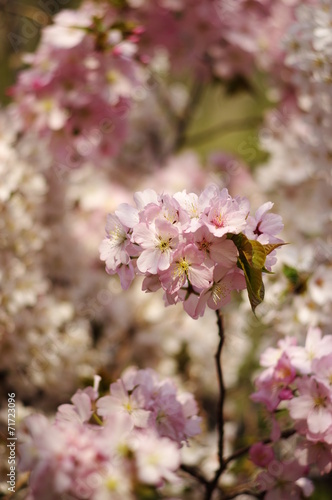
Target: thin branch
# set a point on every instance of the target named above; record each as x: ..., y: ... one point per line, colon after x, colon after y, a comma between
x: 165, y: 104
x: 211, y: 486
x: 187, y: 115
x: 194, y: 472
x: 242, y: 451
x: 222, y: 128
x: 221, y: 389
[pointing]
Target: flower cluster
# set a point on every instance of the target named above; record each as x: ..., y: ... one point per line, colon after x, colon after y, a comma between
x: 91, y: 65
x: 137, y: 443
x: 298, y: 378
x: 153, y: 403
x: 308, y: 46
x: 181, y: 244
x: 280, y: 479
x: 78, y: 90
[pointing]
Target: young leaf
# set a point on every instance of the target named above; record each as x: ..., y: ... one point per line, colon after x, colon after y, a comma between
x: 251, y: 260
x: 272, y: 246
x: 291, y: 274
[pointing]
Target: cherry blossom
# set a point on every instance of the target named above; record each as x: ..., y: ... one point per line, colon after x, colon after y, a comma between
x: 182, y: 244
x: 75, y: 456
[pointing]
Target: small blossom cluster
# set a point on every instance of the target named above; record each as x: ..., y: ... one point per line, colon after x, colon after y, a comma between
x: 226, y: 38
x: 284, y: 479
x: 137, y: 444
x: 180, y: 243
x: 308, y: 46
x: 298, y: 378
x: 153, y: 403
x: 78, y: 89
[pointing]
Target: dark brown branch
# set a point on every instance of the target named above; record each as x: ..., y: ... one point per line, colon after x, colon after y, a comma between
x: 211, y: 486
x: 221, y: 389
x: 222, y: 128
x: 194, y: 472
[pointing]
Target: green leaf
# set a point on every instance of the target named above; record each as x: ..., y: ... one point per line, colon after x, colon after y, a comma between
x: 298, y: 282
x: 291, y: 274
x: 266, y: 271
x: 258, y: 254
x: 272, y: 246
x: 254, y: 282
x: 251, y: 260
x: 252, y: 257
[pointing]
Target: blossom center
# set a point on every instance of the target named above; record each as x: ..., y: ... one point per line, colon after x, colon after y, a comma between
x: 319, y: 401
x: 161, y: 416
x: 192, y: 209
x: 284, y: 372
x: 112, y: 484
x: 204, y: 245
x: 182, y: 267
x: 164, y: 245
x: 257, y: 230
x: 117, y: 236
x: 219, y: 220
x: 218, y: 291
x: 128, y: 407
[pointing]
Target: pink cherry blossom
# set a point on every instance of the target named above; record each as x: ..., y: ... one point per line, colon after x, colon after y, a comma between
x: 121, y: 401
x: 219, y: 250
x: 315, y: 347
x: 219, y: 294
x: 187, y: 266
x: 264, y: 226
x: 158, y: 241
x: 283, y: 480
x: 322, y: 370
x: 156, y: 457
x: 227, y: 214
x: 113, y: 249
x: 313, y: 406
x: 261, y: 454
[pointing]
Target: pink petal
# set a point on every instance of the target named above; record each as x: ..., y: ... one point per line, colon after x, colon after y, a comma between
x: 319, y: 419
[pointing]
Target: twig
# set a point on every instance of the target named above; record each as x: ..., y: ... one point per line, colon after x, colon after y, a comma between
x: 211, y: 486
x: 222, y: 128
x: 194, y: 472
x: 221, y: 389
x: 185, y: 119
x: 242, y: 451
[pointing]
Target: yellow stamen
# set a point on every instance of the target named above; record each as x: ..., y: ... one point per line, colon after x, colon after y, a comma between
x: 164, y: 245
x: 219, y: 220
x: 319, y: 401
x: 219, y: 291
